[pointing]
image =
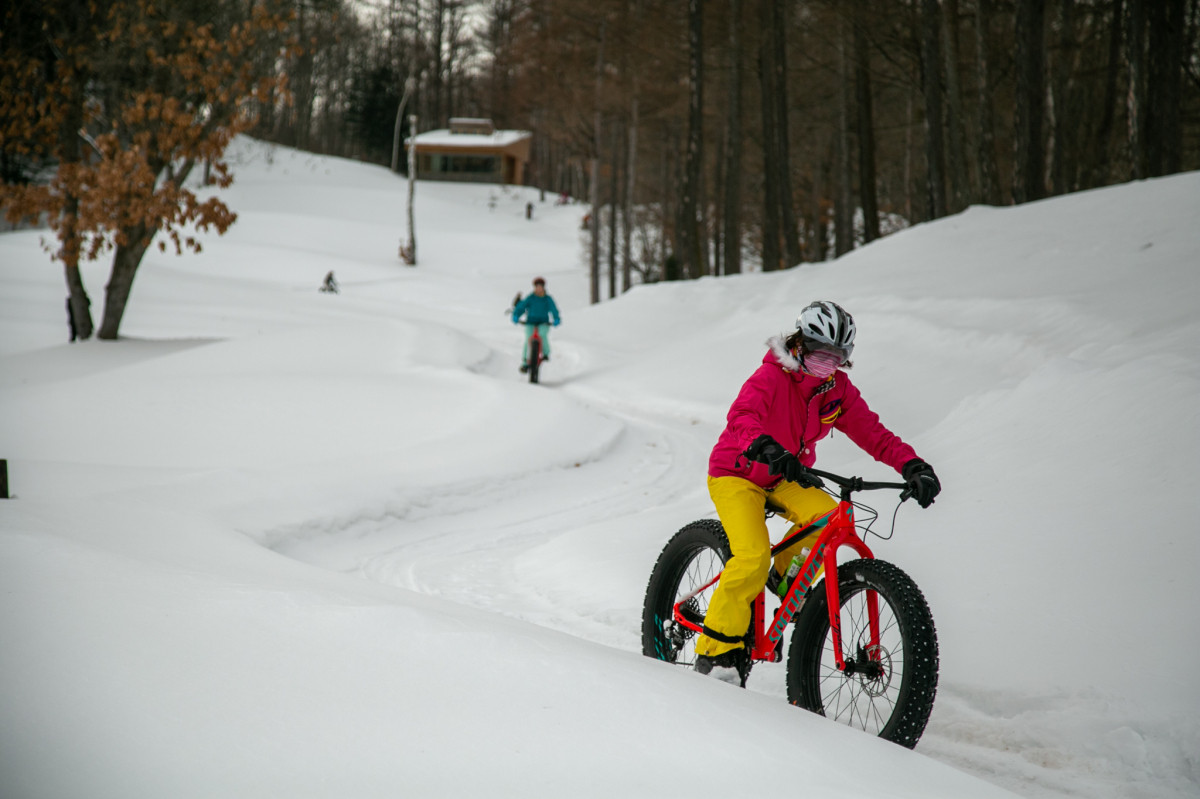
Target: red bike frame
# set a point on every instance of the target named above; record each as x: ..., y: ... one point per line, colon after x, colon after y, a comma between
x: 839, y: 532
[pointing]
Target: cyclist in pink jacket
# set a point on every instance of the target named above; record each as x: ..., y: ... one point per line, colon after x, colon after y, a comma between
x: 792, y: 401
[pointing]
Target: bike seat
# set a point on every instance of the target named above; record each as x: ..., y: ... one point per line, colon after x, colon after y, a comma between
x: 771, y: 508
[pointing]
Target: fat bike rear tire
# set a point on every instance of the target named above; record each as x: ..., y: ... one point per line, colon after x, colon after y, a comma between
x: 692, y: 558
x: 887, y: 691
x: 535, y: 358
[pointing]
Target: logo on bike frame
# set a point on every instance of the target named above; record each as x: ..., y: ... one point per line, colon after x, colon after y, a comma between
x: 796, y: 598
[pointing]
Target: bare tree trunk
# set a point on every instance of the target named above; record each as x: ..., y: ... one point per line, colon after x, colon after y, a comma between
x: 843, y: 205
x: 1101, y: 170
x: 1164, y: 92
x: 960, y: 182
x: 703, y: 214
x: 128, y: 257
x: 613, y: 183
x: 1029, y: 179
x: 1137, y: 87
x: 411, y: 245
x: 771, y: 255
x: 72, y: 152
x: 732, y: 239
x: 787, y: 213
x: 630, y: 191
x: 718, y: 190
x: 666, y: 211
x: 436, y: 77
x: 931, y: 68
x: 1065, y: 123
x: 821, y: 178
x: 126, y: 260
x: 910, y: 110
x: 595, y: 177
x: 80, y: 303
x: 303, y: 80
x: 866, y: 125
x: 989, y: 178
x: 689, y: 233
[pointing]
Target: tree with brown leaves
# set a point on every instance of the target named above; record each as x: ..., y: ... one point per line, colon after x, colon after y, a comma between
x: 121, y: 101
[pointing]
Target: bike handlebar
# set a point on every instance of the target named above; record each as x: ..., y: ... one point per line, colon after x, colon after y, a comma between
x: 849, y: 485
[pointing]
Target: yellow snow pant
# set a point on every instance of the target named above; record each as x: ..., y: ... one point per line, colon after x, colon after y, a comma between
x: 741, y: 504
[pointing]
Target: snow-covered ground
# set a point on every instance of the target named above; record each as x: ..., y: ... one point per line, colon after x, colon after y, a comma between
x: 276, y: 542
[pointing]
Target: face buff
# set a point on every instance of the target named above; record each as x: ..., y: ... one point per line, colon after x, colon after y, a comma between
x: 821, y: 364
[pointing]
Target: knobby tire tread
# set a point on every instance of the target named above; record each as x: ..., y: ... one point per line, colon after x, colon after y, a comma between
x: 914, y: 702
x: 535, y: 359
x: 669, y: 570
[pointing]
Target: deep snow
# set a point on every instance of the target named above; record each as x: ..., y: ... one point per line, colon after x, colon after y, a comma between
x: 278, y: 542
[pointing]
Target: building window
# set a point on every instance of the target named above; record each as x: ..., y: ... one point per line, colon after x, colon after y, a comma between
x: 474, y: 164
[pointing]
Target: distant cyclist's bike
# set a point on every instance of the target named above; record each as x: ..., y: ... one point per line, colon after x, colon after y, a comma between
x: 535, y: 355
x: 864, y: 650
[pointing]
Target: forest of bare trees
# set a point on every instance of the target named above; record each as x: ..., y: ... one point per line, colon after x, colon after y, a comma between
x: 716, y: 135
x: 713, y: 133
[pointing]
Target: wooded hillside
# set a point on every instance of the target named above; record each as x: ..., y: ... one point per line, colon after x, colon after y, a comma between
x: 780, y: 131
x: 714, y: 132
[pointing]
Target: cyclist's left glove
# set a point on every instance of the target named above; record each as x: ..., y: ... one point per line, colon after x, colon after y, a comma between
x: 922, y: 482
x: 779, y: 461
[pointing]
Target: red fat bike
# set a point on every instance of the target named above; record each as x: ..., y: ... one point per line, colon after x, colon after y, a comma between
x: 864, y: 649
x: 536, y: 355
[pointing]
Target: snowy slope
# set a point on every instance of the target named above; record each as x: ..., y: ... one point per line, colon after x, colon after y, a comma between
x: 282, y: 542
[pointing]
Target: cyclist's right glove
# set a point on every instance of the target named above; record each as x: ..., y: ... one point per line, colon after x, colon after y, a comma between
x: 779, y: 461
x: 922, y: 482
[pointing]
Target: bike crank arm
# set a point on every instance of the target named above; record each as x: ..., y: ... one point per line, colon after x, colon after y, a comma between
x: 690, y: 619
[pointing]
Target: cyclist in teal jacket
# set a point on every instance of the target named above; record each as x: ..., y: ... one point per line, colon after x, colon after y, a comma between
x: 540, y: 311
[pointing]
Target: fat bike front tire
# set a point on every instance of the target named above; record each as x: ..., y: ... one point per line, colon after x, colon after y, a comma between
x: 535, y: 358
x: 888, y: 691
x: 691, y: 559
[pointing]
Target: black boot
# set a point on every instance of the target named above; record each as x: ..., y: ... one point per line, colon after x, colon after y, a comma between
x: 732, y: 667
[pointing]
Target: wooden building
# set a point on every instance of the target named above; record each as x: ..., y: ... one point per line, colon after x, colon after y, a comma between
x: 472, y: 150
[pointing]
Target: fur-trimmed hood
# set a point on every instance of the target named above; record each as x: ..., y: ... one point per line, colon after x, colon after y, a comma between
x: 783, y: 357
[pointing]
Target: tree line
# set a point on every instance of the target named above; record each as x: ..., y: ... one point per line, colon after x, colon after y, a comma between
x: 708, y: 136
x: 706, y: 133
x: 787, y: 132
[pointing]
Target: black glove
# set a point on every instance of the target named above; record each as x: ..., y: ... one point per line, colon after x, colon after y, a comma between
x: 779, y: 461
x: 923, y: 484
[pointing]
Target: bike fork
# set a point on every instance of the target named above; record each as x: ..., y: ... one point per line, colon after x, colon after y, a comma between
x: 833, y: 597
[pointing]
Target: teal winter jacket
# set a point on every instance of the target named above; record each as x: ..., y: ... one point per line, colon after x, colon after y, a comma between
x: 537, y: 310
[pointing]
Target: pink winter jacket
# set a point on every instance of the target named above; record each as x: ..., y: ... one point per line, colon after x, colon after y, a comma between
x: 798, y: 410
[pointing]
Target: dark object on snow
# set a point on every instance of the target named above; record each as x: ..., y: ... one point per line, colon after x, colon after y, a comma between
x: 3, y: 479
x: 529, y: 210
x: 330, y: 286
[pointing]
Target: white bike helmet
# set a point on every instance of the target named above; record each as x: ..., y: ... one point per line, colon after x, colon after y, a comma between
x: 826, y: 326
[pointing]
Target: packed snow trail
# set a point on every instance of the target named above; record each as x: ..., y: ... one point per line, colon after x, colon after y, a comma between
x: 551, y: 545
